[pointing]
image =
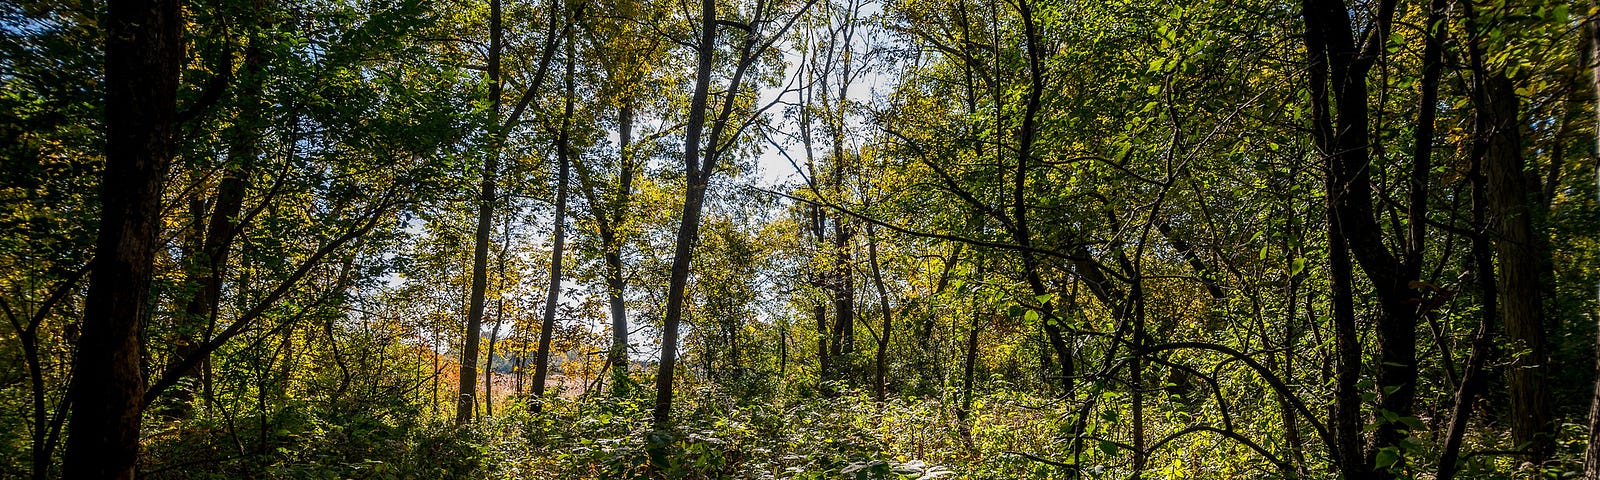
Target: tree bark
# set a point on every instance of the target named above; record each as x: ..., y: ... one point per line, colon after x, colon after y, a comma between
x: 615, y: 285
x: 144, y: 51
x: 1520, y: 252
x: 1342, y: 132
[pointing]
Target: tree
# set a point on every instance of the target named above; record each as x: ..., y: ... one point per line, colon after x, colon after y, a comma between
x: 144, y: 52
x: 765, y: 26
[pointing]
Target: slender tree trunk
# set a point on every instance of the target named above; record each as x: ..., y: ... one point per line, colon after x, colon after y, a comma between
x: 689, y: 226
x: 480, y: 245
x: 824, y: 362
x: 1025, y: 140
x: 144, y: 51
x: 488, y: 363
x: 618, y: 356
x: 541, y: 357
x: 882, y: 357
x: 1337, y: 60
x: 844, y: 296
x: 222, y: 227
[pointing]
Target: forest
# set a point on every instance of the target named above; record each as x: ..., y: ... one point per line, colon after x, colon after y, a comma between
x: 799, y: 239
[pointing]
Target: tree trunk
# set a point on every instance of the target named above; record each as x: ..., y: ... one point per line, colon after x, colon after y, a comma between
x: 824, y: 362
x: 488, y: 362
x: 144, y: 50
x: 844, y: 298
x: 1339, y: 62
x: 480, y: 245
x: 689, y: 226
x: 1520, y: 252
x: 1025, y: 140
x: 618, y: 356
x: 541, y: 357
x: 222, y: 226
x: 882, y: 358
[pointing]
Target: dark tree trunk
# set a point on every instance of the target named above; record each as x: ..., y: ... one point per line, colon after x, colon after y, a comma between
x: 480, y: 243
x: 689, y: 226
x: 222, y: 227
x: 1342, y: 132
x: 144, y: 50
x: 541, y: 357
x: 618, y: 356
x: 881, y: 360
x: 844, y: 296
x: 1520, y: 253
x: 1025, y: 139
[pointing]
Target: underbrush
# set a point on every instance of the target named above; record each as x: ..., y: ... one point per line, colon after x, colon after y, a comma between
x: 716, y: 435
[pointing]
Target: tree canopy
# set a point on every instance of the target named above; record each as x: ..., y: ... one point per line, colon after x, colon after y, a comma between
x: 799, y: 239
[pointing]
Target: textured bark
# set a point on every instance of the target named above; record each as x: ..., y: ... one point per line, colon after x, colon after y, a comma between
x: 144, y: 50
x: 1519, y: 251
x: 1346, y: 410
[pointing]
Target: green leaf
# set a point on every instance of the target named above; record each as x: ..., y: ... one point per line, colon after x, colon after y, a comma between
x: 1031, y: 316
x: 1297, y: 266
x: 1387, y: 457
x: 1108, y: 448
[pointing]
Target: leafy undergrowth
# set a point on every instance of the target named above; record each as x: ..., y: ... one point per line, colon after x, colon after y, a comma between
x: 716, y: 435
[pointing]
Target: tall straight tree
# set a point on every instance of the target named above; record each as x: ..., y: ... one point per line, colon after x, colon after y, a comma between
x: 480, y: 242
x: 144, y: 51
x: 541, y: 357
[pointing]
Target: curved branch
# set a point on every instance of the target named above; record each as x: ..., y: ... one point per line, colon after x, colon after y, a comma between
x: 1261, y: 370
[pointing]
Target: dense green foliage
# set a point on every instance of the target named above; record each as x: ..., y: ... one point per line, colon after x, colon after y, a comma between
x: 940, y: 239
